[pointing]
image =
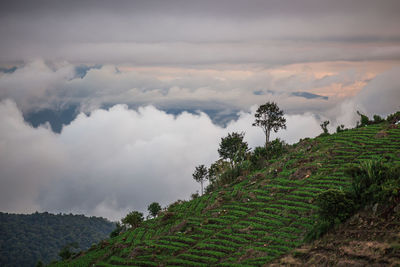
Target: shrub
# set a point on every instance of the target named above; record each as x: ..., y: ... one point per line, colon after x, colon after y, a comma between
x: 318, y: 230
x: 118, y: 229
x: 196, y: 195
x: 373, y: 181
x: 258, y: 157
x: 275, y: 149
x: 378, y: 119
x: 334, y: 205
x: 364, y: 120
x: 230, y: 175
x: 393, y: 118
x: 134, y: 219
x: 68, y: 250
x: 340, y: 128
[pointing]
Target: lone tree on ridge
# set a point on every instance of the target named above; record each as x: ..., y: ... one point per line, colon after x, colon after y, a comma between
x: 200, y: 175
x: 269, y: 117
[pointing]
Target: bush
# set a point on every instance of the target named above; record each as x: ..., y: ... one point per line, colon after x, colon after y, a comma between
x: 364, y: 120
x: 68, y: 250
x: 229, y: 175
x: 378, y: 119
x: 274, y: 150
x: 335, y: 205
x: 195, y: 195
x: 134, y: 219
x: 118, y: 229
x: 318, y: 230
x: 373, y: 181
x: 340, y: 129
x: 393, y: 118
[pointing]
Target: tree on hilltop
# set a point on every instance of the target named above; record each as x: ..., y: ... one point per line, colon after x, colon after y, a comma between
x: 269, y: 117
x: 200, y: 175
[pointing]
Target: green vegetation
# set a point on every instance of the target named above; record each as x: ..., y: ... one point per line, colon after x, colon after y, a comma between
x: 265, y: 205
x: 134, y: 219
x: 154, y: 208
x: 26, y: 239
x: 324, y: 127
x: 200, y: 175
x: 233, y: 148
x: 269, y: 117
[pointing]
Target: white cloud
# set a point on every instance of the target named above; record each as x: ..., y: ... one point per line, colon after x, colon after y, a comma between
x: 29, y: 160
x: 382, y: 95
x: 114, y: 160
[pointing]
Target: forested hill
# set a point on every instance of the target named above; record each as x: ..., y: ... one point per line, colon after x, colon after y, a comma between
x: 26, y: 239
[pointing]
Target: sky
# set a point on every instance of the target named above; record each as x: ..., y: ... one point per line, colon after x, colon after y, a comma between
x: 108, y: 106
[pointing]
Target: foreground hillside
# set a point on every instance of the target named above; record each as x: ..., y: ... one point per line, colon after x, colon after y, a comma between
x: 258, y: 218
x: 370, y: 238
x: 26, y: 239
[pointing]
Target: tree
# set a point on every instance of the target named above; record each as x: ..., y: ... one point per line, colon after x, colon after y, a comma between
x: 324, y: 127
x: 134, y: 219
x: 269, y: 117
x: 67, y: 252
x: 233, y: 148
x: 364, y: 120
x: 153, y: 209
x: 200, y: 175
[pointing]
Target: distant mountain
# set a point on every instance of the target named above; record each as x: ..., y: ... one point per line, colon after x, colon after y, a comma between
x: 26, y: 239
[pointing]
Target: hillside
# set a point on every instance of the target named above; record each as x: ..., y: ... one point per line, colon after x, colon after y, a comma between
x: 25, y: 239
x: 370, y: 238
x: 256, y: 219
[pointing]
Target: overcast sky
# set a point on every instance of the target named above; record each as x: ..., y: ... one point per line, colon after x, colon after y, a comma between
x: 130, y: 68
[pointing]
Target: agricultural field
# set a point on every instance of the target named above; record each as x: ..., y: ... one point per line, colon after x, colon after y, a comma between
x: 256, y: 219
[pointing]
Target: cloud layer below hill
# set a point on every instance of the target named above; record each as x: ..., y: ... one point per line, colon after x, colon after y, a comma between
x: 114, y: 160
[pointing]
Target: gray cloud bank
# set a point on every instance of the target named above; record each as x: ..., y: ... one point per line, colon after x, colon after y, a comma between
x: 38, y: 85
x: 55, y: 92
x: 199, y: 32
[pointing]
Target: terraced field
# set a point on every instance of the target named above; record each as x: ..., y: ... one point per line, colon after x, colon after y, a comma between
x: 254, y: 220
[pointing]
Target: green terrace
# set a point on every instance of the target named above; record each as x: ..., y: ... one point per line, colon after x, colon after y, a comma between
x: 251, y: 221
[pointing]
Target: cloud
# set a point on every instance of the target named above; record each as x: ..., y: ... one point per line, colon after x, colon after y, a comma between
x: 309, y: 95
x: 382, y: 95
x: 29, y: 159
x: 35, y: 84
x: 210, y: 32
x: 40, y: 85
x: 116, y: 160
